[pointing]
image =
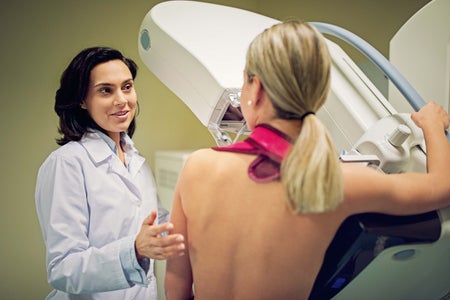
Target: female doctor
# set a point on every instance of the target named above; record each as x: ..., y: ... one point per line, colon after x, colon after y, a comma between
x: 95, y: 195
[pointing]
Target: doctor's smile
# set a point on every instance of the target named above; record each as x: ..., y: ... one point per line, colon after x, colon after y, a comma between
x: 122, y: 115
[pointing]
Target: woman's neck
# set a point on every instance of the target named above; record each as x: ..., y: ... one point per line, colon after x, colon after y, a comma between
x: 290, y: 127
x: 115, y: 136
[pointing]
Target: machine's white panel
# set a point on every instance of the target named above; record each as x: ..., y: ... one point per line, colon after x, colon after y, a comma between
x: 421, y: 52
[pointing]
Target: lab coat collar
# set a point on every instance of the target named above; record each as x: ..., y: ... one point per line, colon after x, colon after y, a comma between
x: 98, y: 149
x: 100, y: 152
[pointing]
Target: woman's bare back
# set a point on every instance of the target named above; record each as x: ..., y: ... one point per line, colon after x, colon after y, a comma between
x: 244, y: 241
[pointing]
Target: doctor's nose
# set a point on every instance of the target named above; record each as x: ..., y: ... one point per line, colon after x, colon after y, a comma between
x: 120, y: 99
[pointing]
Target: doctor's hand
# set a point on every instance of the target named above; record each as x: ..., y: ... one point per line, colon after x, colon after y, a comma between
x: 152, y: 243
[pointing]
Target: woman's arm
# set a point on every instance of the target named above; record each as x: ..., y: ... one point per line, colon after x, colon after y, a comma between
x: 367, y: 190
x: 179, y: 280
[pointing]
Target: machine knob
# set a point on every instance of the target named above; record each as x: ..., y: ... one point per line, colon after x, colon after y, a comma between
x: 399, y: 135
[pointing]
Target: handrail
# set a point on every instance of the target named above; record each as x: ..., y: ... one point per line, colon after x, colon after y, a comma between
x: 400, y: 82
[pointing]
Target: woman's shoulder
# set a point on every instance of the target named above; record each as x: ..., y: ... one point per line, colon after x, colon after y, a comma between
x: 71, y: 153
x: 90, y: 143
x: 200, y: 157
x: 67, y: 155
x: 210, y: 156
x: 70, y: 149
x: 206, y: 162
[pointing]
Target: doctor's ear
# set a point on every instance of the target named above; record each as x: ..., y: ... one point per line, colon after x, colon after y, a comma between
x: 83, y: 105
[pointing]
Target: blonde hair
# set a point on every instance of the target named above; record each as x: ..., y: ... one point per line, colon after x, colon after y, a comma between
x: 293, y: 63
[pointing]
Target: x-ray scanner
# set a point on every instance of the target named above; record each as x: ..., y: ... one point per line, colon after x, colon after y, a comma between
x: 198, y: 51
x: 193, y: 48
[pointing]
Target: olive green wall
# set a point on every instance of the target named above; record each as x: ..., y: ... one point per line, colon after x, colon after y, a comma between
x: 38, y: 40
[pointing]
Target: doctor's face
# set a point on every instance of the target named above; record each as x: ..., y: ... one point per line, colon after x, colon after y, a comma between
x: 111, y: 99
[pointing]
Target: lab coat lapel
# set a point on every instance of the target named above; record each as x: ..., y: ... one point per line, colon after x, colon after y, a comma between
x: 136, y: 161
x: 135, y: 164
x: 116, y: 166
x: 100, y: 154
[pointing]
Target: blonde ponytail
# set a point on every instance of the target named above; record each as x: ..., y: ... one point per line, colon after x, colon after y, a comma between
x: 311, y: 172
x: 293, y: 63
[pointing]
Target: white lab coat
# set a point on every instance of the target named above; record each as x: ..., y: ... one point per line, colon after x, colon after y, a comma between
x: 90, y: 208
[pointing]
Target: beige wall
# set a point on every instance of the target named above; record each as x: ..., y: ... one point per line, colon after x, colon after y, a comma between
x: 38, y: 40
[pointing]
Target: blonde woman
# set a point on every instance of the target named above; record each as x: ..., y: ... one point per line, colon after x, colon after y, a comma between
x: 258, y: 215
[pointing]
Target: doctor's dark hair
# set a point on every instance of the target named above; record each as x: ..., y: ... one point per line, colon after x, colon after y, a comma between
x: 74, y: 84
x: 293, y: 63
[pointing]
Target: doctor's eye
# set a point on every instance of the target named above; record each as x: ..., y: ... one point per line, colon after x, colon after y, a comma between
x: 104, y: 90
x: 128, y: 86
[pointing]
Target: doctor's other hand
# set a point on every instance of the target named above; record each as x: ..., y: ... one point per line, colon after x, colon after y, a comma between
x: 152, y: 242
x: 431, y: 114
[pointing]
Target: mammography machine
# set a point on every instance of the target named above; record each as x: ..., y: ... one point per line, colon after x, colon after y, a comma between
x: 198, y: 50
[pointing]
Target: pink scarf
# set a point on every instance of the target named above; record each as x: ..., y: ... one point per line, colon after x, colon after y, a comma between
x: 271, y: 146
